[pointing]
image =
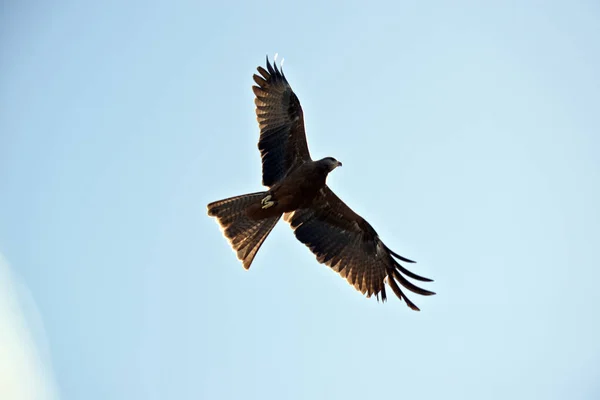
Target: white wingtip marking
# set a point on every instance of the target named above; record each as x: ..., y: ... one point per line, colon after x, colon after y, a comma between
x: 275, y: 58
x: 282, y: 60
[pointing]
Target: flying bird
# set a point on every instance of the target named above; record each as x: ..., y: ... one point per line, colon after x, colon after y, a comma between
x: 297, y: 190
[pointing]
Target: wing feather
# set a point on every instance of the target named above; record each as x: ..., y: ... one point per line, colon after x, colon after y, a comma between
x: 282, y: 142
x: 348, y: 244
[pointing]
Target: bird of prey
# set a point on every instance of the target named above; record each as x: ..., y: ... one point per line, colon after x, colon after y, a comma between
x: 297, y: 189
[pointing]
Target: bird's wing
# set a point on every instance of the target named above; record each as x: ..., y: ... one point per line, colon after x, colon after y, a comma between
x: 282, y: 142
x: 348, y: 244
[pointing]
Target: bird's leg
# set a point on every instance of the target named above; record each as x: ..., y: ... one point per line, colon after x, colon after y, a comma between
x: 266, y: 202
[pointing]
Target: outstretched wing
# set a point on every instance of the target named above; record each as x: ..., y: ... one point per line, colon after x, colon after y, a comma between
x: 348, y: 244
x: 282, y: 142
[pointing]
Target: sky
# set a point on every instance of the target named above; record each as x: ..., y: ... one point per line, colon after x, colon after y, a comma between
x: 469, y: 134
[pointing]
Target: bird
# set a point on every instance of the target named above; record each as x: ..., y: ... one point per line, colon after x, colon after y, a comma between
x: 298, y: 191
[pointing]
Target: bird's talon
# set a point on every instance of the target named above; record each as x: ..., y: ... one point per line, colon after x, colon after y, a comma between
x: 267, y: 204
x: 266, y: 199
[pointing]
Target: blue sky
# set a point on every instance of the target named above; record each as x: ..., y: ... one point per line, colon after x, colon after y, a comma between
x: 469, y: 135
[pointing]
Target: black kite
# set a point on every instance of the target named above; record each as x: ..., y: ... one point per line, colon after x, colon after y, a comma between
x: 338, y: 236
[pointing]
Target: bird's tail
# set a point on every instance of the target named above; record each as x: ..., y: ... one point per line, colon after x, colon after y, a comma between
x: 245, y: 232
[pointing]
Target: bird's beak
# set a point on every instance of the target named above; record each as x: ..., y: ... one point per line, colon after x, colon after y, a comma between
x: 339, y: 164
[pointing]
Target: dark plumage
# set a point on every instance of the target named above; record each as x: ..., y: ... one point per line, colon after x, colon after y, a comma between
x: 338, y: 236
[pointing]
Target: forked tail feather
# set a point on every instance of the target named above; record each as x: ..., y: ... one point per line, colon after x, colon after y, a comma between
x: 245, y: 233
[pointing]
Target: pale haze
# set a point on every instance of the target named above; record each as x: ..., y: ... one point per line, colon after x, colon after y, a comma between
x: 470, y: 138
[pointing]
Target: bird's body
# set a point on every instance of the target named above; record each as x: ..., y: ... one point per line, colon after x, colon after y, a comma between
x: 338, y: 236
x: 296, y: 190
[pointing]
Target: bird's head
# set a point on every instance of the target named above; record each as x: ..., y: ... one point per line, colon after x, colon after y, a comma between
x: 331, y: 163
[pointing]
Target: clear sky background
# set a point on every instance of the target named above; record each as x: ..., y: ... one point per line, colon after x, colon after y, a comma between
x: 470, y: 137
